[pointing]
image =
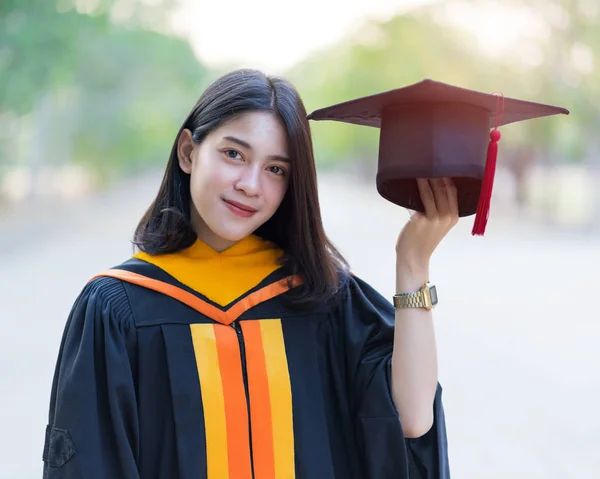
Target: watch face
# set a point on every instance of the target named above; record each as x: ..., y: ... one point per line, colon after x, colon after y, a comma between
x: 433, y: 295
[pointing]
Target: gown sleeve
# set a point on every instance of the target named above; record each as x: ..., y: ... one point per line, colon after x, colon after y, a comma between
x: 93, y: 427
x: 366, y: 330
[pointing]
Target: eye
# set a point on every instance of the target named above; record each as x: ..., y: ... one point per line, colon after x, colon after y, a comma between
x: 233, y: 154
x: 278, y: 170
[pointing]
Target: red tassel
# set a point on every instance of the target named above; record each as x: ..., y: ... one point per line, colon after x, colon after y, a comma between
x: 487, y: 185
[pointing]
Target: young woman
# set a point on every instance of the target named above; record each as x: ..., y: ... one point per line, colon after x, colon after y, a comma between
x: 236, y: 344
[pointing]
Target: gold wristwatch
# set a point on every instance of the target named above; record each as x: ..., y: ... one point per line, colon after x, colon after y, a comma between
x: 426, y: 298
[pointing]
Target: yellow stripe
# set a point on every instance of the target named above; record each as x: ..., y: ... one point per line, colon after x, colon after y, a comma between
x: 280, y: 393
x: 213, y: 401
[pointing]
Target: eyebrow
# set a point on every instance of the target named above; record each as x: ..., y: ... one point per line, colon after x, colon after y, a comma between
x: 246, y: 145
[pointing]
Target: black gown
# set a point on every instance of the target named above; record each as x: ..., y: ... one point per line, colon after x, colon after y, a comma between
x: 155, y: 380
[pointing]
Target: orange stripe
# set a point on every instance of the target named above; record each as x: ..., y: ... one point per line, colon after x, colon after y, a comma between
x: 224, y: 317
x: 260, y: 401
x: 168, y: 289
x: 236, y: 411
x: 262, y: 295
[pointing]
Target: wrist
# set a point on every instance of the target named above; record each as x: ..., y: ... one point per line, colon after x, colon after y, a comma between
x: 410, y: 276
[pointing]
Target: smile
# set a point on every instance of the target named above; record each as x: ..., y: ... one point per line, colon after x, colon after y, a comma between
x: 240, y: 209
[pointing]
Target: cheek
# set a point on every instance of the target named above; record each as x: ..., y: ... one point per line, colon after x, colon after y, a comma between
x: 206, y: 179
x: 200, y: 186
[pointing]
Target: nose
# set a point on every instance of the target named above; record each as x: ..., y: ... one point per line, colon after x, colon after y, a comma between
x: 249, y: 180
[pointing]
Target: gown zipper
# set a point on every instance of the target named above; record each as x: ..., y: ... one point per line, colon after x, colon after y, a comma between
x: 240, y: 337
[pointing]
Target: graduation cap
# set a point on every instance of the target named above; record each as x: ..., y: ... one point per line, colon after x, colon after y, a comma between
x: 435, y: 130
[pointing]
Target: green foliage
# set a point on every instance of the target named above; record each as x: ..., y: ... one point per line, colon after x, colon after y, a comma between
x: 35, y: 51
x: 110, y: 95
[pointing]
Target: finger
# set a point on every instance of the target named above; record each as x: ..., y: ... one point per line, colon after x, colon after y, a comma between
x: 441, y: 196
x: 452, y: 196
x: 427, y: 198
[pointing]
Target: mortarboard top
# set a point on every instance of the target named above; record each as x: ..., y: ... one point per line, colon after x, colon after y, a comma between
x: 434, y: 130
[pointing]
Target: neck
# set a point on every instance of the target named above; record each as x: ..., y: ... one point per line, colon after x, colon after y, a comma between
x: 208, y: 237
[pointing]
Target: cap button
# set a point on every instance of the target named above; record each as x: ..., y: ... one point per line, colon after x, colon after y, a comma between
x: 495, y: 135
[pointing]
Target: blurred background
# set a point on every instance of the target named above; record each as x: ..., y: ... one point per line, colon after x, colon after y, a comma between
x: 92, y: 93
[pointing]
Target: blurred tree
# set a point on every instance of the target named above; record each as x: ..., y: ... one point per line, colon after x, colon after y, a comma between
x: 92, y: 83
x: 35, y: 51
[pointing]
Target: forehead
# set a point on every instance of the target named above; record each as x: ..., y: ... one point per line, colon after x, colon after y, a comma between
x: 258, y: 129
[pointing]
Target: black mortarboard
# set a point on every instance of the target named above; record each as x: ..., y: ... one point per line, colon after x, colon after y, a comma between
x: 433, y: 130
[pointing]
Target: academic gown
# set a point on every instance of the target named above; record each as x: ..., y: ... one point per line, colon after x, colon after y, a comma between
x: 193, y: 366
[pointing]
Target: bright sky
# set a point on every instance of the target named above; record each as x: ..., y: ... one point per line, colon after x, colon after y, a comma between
x: 275, y: 34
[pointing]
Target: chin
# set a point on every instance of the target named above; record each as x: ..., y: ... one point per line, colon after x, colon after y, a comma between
x: 233, y: 234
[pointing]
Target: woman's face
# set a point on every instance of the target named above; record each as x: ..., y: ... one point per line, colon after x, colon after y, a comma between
x: 239, y: 175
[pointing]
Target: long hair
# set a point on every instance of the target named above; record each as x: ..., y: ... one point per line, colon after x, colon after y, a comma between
x: 296, y: 227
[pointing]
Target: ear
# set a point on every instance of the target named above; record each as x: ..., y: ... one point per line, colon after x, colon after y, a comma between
x: 185, y: 148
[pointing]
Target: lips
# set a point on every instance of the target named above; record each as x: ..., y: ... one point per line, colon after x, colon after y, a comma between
x: 242, y: 206
x: 240, y: 209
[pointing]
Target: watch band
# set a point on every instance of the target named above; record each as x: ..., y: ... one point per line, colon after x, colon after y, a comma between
x: 426, y: 298
x: 410, y: 300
